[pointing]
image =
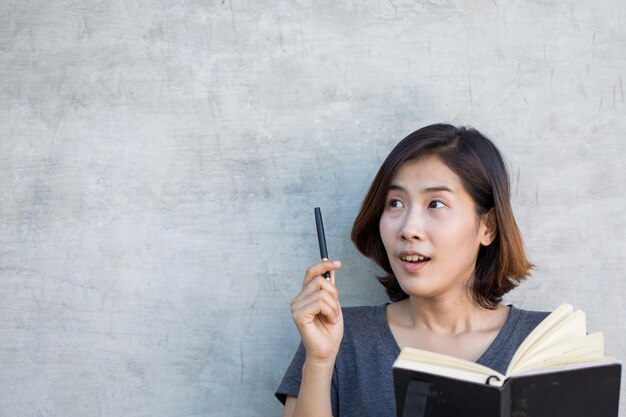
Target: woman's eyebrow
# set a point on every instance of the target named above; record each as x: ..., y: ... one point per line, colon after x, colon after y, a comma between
x: 438, y: 188
x: 432, y: 189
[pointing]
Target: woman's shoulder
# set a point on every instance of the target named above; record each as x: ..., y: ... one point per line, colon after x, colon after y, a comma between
x: 527, y: 318
x: 364, y: 319
x: 367, y: 337
x: 358, y: 314
x: 359, y: 310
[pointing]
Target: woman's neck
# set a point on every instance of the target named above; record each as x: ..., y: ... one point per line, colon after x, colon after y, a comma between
x: 450, y: 316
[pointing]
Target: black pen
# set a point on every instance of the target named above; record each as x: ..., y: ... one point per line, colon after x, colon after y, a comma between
x: 321, y: 238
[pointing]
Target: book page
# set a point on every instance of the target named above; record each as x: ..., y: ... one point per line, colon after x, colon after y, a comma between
x: 572, y: 327
x: 480, y: 377
x: 418, y: 359
x: 584, y: 349
x: 559, y: 314
x: 608, y: 360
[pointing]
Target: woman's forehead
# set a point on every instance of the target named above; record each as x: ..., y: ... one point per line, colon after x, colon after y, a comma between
x: 427, y: 172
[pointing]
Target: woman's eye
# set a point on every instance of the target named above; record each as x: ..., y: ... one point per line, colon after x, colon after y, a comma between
x: 395, y: 203
x: 436, y: 204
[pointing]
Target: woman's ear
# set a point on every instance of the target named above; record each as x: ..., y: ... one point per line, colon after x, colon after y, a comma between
x: 489, y: 227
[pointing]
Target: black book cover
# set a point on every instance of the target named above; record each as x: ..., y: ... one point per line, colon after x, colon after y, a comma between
x: 576, y: 392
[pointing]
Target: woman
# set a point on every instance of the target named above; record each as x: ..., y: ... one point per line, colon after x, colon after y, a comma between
x: 438, y: 220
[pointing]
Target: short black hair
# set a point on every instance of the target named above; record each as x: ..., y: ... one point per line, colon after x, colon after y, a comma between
x: 503, y: 264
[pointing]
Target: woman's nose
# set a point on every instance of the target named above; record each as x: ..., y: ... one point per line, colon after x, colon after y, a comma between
x: 413, y: 226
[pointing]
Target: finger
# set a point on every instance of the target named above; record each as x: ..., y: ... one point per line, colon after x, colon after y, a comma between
x: 320, y: 283
x: 306, y: 306
x: 332, y: 277
x: 317, y: 307
x: 320, y: 268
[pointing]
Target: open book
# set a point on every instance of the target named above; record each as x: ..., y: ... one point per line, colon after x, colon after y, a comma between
x: 553, y: 356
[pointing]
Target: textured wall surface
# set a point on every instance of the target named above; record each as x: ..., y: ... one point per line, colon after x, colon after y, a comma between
x: 160, y: 161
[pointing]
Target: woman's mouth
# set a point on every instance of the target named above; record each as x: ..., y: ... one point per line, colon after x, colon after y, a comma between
x: 414, y: 258
x: 413, y: 263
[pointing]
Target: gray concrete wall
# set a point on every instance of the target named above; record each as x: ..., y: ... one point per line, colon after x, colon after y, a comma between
x: 160, y: 161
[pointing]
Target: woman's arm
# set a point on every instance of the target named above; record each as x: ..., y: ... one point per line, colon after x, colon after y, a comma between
x: 317, y: 314
x: 290, y: 406
x: 314, y: 396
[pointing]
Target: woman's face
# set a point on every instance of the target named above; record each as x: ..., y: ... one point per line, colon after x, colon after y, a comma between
x: 431, y: 231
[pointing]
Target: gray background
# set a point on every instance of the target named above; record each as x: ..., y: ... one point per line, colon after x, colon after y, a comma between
x: 160, y: 161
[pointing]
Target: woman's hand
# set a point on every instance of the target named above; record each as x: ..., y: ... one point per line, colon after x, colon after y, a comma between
x: 317, y: 313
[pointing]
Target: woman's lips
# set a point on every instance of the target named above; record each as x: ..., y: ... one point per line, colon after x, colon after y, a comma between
x: 412, y: 266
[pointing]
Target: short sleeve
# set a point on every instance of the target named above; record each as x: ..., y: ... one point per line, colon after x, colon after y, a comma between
x: 290, y: 385
x: 362, y: 383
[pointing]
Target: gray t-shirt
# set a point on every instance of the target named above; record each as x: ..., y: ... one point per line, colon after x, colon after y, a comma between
x: 362, y: 382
